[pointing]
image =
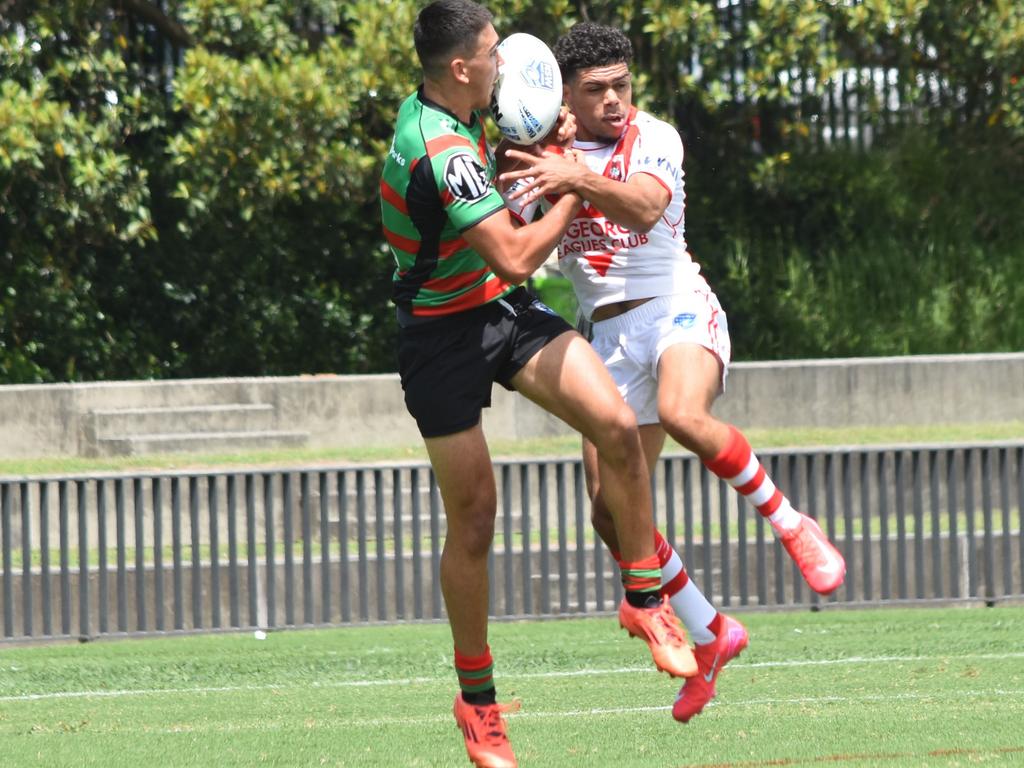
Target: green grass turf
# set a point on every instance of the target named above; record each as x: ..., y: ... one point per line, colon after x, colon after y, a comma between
x: 884, y: 687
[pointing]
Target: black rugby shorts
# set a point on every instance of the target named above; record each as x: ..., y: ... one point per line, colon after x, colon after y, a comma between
x: 447, y: 366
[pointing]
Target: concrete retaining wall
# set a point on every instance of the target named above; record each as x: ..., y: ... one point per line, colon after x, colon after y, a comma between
x: 349, y: 411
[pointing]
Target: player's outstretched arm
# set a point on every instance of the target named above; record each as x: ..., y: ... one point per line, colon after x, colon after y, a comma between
x: 515, y: 253
x: 561, y: 137
x: 636, y: 204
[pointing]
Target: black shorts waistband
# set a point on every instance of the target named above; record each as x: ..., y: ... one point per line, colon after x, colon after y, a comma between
x: 518, y: 300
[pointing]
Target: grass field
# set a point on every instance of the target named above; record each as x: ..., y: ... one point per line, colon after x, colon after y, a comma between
x: 885, y: 687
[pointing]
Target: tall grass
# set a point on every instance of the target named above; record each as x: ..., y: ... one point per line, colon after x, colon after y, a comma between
x: 912, y: 247
x: 874, y: 300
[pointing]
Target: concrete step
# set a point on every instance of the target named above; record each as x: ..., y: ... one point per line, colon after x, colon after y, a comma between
x: 190, y: 442
x: 224, y: 417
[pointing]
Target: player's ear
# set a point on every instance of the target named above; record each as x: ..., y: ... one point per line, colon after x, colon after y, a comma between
x: 459, y: 70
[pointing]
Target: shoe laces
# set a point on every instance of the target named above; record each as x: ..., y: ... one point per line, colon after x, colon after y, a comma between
x: 807, y: 543
x: 491, y: 722
x: 673, y: 628
x: 803, y: 542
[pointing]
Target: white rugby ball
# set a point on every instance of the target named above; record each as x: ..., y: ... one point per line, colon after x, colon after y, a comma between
x: 528, y: 94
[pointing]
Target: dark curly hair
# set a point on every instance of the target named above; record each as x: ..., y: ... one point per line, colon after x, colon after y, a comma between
x: 591, y: 45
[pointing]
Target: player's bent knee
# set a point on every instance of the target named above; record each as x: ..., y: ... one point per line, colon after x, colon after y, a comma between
x: 618, y: 437
x: 679, y: 421
x: 623, y: 425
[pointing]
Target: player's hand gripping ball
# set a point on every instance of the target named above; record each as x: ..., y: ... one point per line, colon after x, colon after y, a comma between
x: 528, y: 94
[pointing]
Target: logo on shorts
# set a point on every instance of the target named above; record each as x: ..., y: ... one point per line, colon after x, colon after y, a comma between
x: 538, y: 304
x: 685, y: 320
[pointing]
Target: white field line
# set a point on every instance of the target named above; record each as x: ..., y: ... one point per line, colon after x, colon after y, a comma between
x: 598, y: 711
x: 507, y: 675
x: 446, y: 719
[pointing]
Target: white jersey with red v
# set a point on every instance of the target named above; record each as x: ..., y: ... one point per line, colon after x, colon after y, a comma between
x: 608, y: 263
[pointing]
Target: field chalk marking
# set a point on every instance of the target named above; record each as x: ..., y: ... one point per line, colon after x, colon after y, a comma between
x: 508, y: 674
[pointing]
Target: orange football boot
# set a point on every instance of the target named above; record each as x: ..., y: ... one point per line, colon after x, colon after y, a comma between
x: 664, y: 635
x: 484, y: 730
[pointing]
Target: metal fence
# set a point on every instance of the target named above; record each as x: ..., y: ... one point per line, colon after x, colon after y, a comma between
x: 143, y: 553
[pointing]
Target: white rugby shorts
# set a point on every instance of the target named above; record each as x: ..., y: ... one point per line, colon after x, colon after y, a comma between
x: 631, y: 344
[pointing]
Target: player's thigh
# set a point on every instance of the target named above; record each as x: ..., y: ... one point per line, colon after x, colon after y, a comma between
x: 652, y: 438
x: 689, y: 379
x: 465, y: 477
x: 693, y: 351
x: 568, y: 380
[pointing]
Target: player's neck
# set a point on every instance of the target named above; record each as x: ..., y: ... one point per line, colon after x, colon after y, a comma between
x: 590, y: 138
x: 448, y: 99
x: 587, y: 137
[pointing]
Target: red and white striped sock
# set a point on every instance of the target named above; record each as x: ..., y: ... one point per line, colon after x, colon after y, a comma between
x: 738, y: 466
x: 700, y: 617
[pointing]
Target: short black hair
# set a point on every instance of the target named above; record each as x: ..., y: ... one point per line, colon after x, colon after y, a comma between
x: 445, y: 27
x: 591, y: 45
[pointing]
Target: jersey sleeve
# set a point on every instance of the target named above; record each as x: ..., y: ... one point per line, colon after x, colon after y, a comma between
x: 658, y: 152
x: 467, y: 190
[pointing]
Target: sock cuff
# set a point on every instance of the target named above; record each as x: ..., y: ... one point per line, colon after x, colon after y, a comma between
x: 662, y: 549
x: 475, y: 673
x: 733, y: 458
x: 647, y: 563
x: 474, y: 663
x: 642, y: 575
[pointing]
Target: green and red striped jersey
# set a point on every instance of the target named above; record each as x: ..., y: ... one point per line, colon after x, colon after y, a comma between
x: 438, y: 181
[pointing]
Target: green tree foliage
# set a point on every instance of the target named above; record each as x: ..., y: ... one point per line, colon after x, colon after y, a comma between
x: 74, y: 203
x: 280, y: 265
x: 208, y: 206
x: 852, y: 166
x: 223, y: 223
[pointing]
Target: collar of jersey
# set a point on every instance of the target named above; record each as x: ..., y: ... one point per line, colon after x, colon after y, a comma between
x: 437, y: 107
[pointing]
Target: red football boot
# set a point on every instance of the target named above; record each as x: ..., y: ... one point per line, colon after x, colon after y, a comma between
x: 700, y: 689
x: 822, y: 566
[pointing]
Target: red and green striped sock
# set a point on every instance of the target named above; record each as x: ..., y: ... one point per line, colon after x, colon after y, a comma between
x: 476, y: 676
x: 642, y: 581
